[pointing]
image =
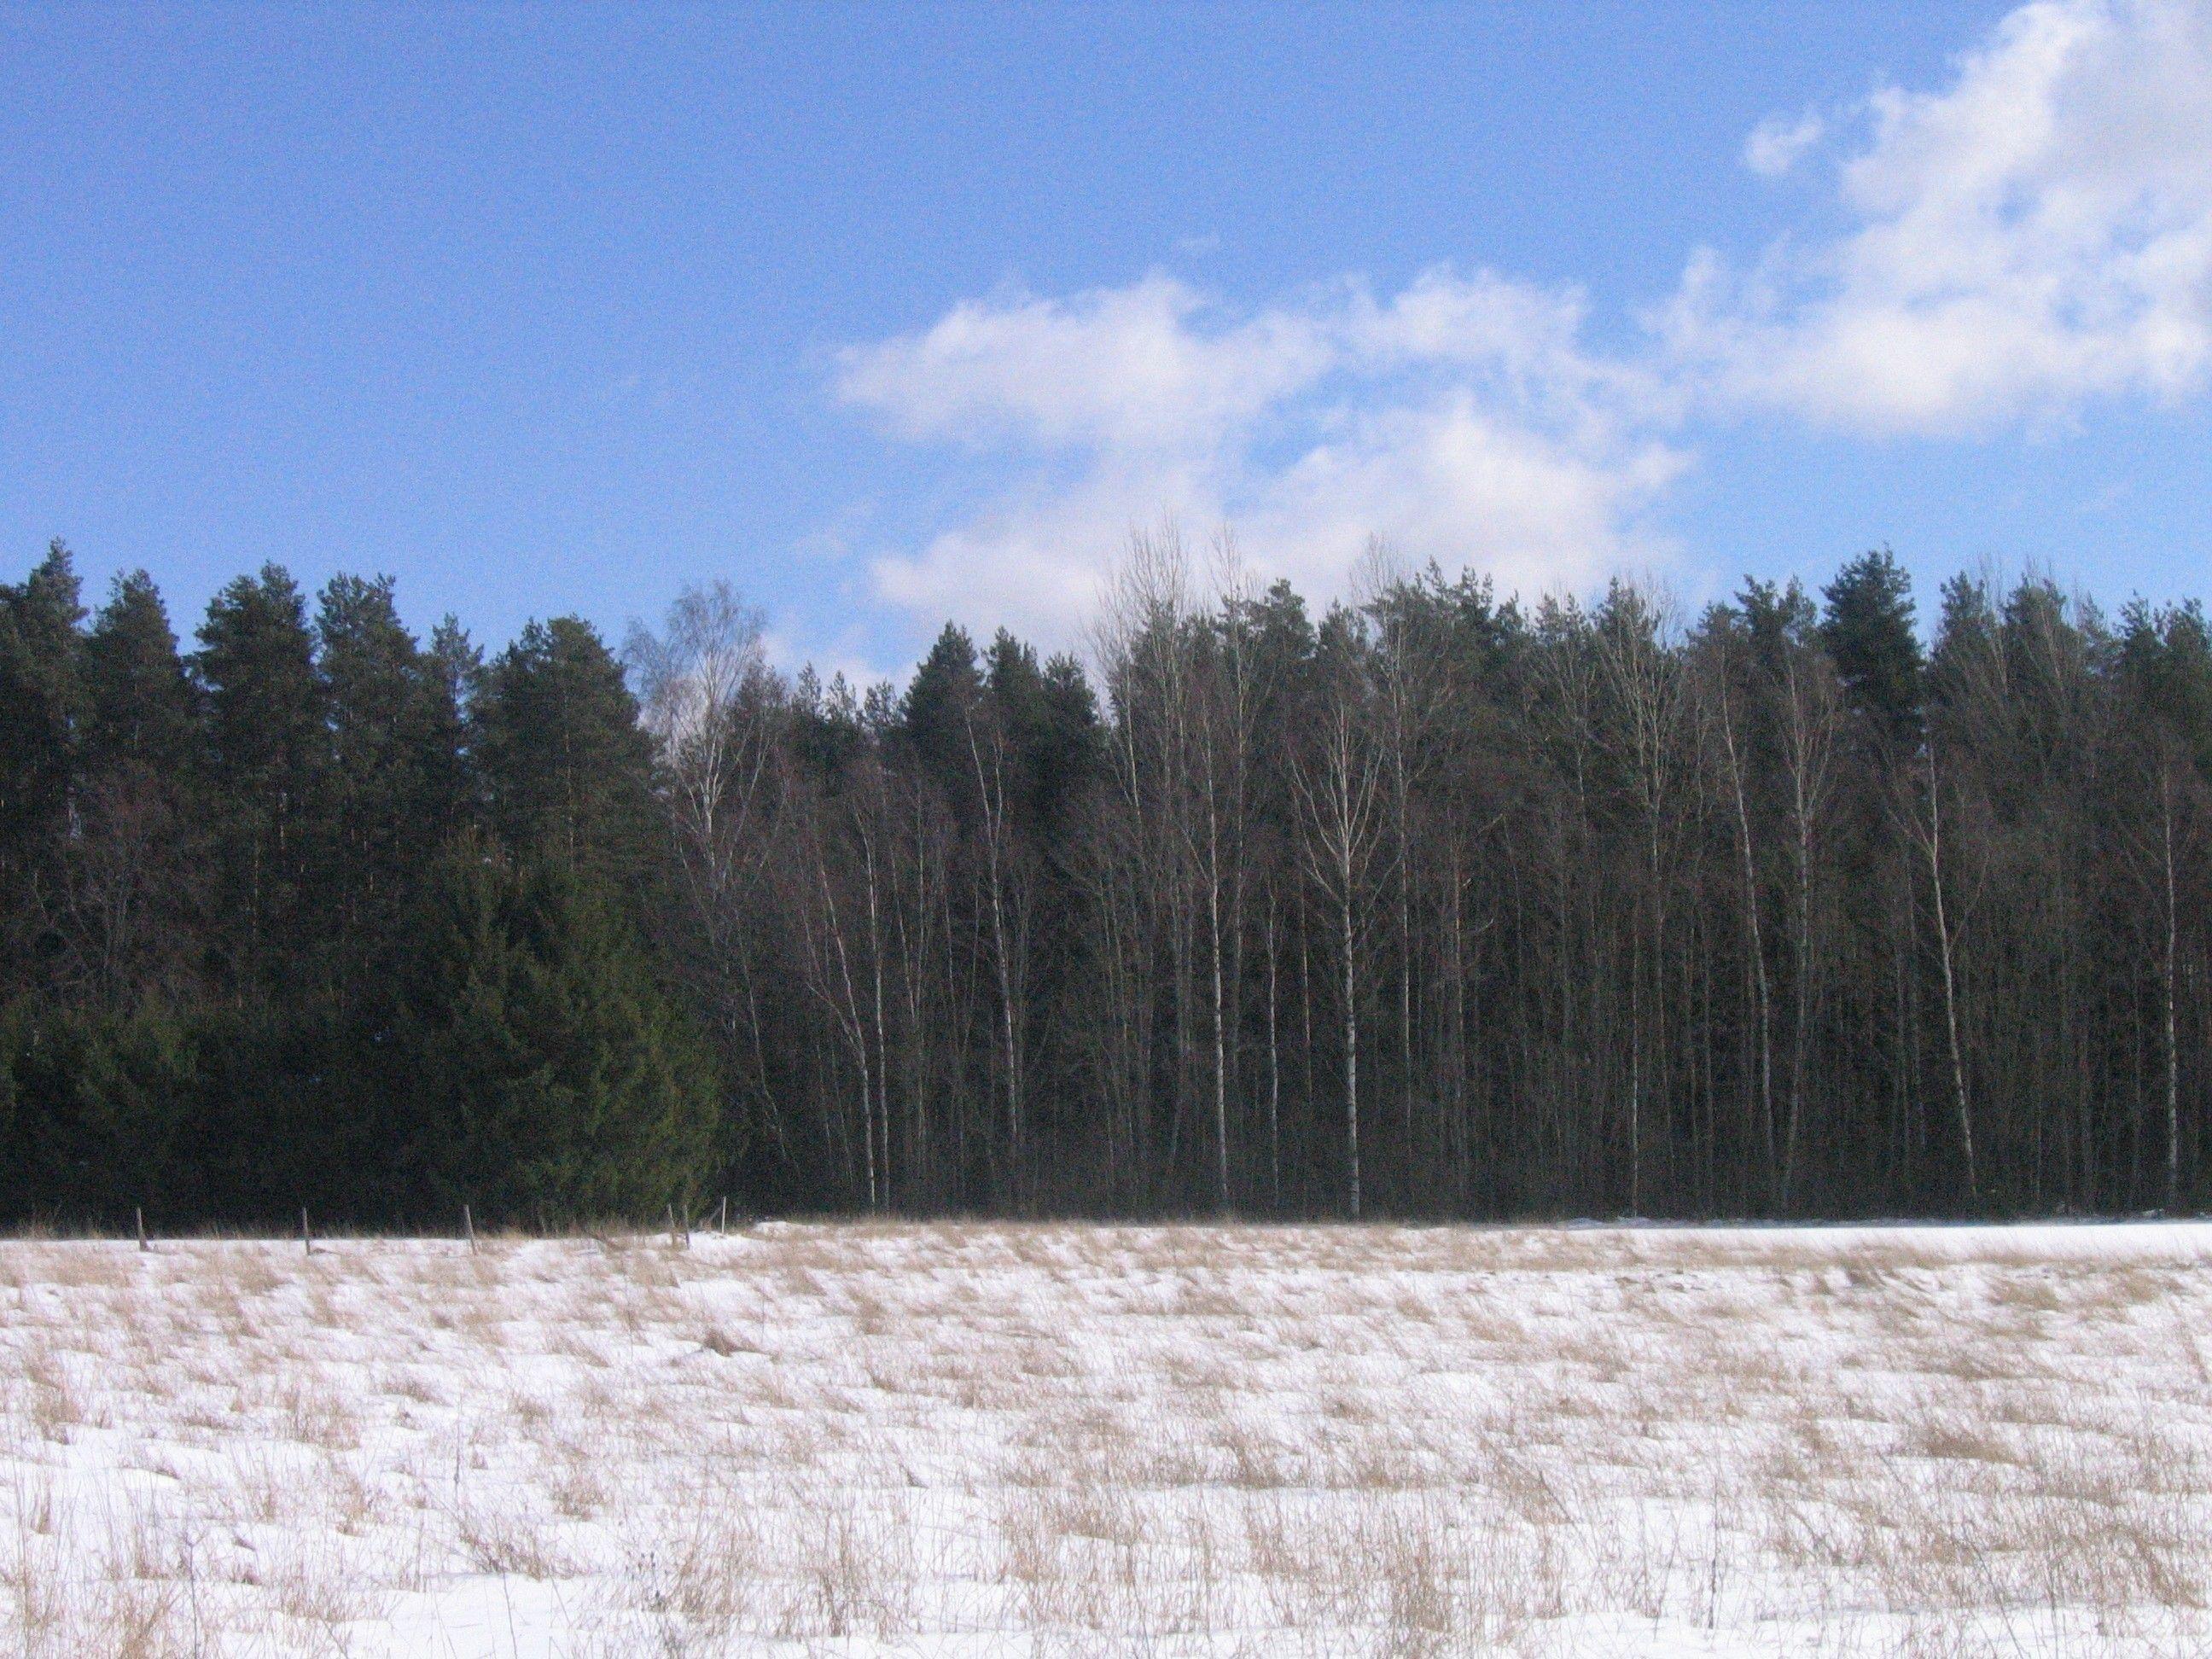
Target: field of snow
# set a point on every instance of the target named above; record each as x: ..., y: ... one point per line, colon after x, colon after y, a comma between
x: 1004, y: 1440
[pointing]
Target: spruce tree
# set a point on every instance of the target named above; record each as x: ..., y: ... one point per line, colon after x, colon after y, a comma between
x: 39, y: 693
x: 101, y: 1100
x: 936, y: 715
x: 1868, y: 631
x: 2165, y: 663
x: 543, y: 1074
x: 567, y: 768
x: 1068, y: 747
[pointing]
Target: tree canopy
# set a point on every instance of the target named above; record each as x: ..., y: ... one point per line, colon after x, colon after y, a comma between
x: 1427, y: 903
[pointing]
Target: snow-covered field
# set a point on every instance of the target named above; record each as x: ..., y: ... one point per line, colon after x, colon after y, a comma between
x: 1179, y: 1440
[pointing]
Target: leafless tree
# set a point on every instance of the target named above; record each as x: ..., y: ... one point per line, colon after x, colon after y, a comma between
x: 1338, y: 782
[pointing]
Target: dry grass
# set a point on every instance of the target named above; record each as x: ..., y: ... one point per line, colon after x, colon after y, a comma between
x: 1112, y: 1440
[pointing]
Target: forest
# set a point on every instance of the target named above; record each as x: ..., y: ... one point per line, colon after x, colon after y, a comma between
x: 1431, y: 905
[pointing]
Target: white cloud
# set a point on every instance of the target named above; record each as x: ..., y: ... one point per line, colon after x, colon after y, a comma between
x: 1127, y: 368
x: 2034, y: 236
x: 1037, y: 558
x: 1777, y: 144
x: 1462, y: 416
x: 1463, y: 481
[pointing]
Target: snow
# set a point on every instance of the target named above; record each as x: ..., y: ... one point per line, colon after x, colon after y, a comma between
x: 978, y: 1439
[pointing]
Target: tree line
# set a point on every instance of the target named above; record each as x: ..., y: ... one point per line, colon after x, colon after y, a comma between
x: 1435, y: 904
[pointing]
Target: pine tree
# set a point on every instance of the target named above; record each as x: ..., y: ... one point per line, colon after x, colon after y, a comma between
x: 395, y: 786
x: 455, y: 669
x: 1050, y: 718
x: 39, y: 707
x: 139, y: 704
x: 267, y: 756
x: 134, y: 889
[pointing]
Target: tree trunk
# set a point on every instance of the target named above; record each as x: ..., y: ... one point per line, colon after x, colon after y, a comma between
x: 1965, y: 1117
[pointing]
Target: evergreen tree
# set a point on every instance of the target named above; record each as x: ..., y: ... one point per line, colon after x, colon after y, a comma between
x: 2165, y: 663
x: 267, y: 755
x: 567, y: 768
x: 545, y: 1076
x: 134, y: 887
x: 1968, y: 648
x: 1868, y: 631
x: 827, y: 727
x: 936, y: 717
x: 139, y: 706
x: 1776, y: 618
x: 39, y: 707
x: 455, y: 668
x: 395, y: 783
x: 1065, y: 749
x: 101, y: 1103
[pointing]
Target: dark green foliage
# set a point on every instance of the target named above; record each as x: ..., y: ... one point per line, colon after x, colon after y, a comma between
x: 264, y: 948
x: 1869, y: 630
x: 1050, y: 720
x: 566, y: 770
x: 99, y: 1102
x: 266, y: 756
x: 936, y: 716
x: 127, y: 891
x: 395, y: 785
x: 2166, y: 664
x: 139, y: 708
x: 544, y: 1075
x: 1781, y: 914
x: 39, y: 624
x: 41, y: 705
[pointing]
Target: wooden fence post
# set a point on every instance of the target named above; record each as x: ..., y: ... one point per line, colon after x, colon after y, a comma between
x: 469, y: 1227
x: 138, y: 1215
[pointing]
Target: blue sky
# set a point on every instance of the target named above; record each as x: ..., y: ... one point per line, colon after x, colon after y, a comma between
x: 891, y: 313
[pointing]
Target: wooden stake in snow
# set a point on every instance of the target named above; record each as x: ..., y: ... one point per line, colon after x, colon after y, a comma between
x: 672, y: 1243
x: 138, y: 1215
x: 307, y: 1240
x: 469, y: 1227
x: 722, y: 1218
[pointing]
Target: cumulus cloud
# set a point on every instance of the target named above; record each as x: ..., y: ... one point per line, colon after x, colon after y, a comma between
x: 1776, y: 144
x: 1128, y: 369
x: 2036, y: 236
x: 2030, y: 237
x: 1462, y: 416
x: 1463, y: 481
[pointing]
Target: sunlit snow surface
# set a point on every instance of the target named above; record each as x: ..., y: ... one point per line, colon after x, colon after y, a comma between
x: 1005, y: 1440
